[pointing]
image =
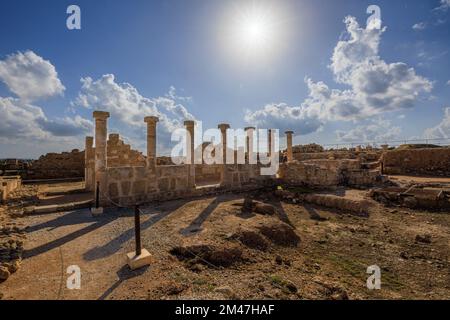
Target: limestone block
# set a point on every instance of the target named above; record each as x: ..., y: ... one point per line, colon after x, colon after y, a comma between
x: 139, y: 187
x: 136, y: 262
x: 113, y: 190
x: 125, y: 187
x: 163, y: 184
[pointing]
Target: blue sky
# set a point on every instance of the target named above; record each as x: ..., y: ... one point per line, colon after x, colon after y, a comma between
x: 328, y: 80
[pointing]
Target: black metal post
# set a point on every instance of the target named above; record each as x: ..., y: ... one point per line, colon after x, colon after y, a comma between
x: 97, y: 195
x: 137, y: 230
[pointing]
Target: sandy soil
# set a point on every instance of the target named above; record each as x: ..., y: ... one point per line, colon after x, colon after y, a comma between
x: 237, y: 254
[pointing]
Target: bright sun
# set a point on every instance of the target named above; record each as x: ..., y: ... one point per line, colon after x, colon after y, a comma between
x: 253, y: 31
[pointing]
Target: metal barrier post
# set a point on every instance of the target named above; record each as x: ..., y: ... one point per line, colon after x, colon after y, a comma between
x: 137, y: 230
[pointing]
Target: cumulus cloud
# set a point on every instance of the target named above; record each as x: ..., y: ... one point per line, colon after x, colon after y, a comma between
x: 374, y: 86
x: 377, y: 86
x: 419, y: 26
x: 67, y: 127
x: 444, y: 5
x: 22, y: 121
x: 378, y: 130
x: 284, y: 117
x: 129, y: 107
x: 29, y: 76
x: 442, y: 130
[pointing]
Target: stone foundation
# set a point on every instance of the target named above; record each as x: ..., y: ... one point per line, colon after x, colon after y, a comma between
x: 428, y: 198
x: 328, y: 173
x: 134, y: 185
x: 432, y: 161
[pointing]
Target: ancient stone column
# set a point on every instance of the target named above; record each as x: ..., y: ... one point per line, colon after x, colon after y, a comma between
x: 151, y: 139
x: 89, y: 164
x: 223, y: 148
x: 250, y: 152
x: 101, y: 131
x: 189, y: 125
x: 289, y: 145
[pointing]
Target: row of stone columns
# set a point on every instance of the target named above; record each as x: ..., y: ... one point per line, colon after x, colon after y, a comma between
x: 96, y: 158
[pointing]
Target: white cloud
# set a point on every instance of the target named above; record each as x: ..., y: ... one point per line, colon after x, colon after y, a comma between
x: 129, y: 107
x: 25, y: 130
x: 29, y: 76
x: 379, y: 130
x: 67, y: 127
x: 283, y: 117
x: 444, y: 5
x: 448, y: 82
x: 375, y: 86
x: 442, y: 130
x: 22, y: 122
x: 419, y: 26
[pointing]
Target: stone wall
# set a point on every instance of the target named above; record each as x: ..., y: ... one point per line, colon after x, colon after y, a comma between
x: 164, y: 161
x: 133, y: 185
x: 302, y: 173
x: 207, y: 174
x: 328, y: 173
x: 120, y: 154
x: 307, y: 148
x: 236, y: 175
x: 432, y: 161
x: 57, y: 166
x: 72, y: 164
x: 364, y: 156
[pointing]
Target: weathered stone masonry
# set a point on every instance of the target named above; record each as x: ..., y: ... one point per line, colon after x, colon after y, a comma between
x: 129, y: 183
x: 126, y: 177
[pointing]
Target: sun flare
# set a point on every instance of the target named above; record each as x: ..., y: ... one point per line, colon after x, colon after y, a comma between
x: 253, y: 31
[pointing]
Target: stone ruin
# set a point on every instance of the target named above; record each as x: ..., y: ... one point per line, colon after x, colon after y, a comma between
x: 329, y: 173
x: 428, y: 161
x: 126, y: 177
x: 11, y: 167
x: 416, y: 196
x: 8, y: 185
x: 57, y: 166
x: 125, y: 182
